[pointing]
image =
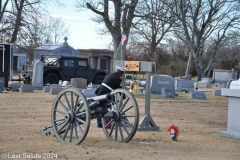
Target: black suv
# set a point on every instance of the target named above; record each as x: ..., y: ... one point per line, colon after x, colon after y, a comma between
x: 59, y: 67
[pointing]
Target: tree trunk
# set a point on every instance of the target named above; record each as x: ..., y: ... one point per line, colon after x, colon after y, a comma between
x: 189, y: 64
x: 198, y: 68
x: 208, y: 69
x: 2, y: 9
x: 18, y: 21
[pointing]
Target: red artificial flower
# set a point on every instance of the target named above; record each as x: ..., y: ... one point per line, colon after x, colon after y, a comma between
x: 174, y: 128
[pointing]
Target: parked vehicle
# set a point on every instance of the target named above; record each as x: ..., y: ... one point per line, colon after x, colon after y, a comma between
x: 59, y: 67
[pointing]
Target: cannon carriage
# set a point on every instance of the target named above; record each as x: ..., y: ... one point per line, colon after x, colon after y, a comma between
x: 72, y: 112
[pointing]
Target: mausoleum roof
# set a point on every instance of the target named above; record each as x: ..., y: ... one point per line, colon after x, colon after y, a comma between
x: 49, y: 46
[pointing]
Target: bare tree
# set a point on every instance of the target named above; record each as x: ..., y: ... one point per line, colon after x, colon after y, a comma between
x: 53, y: 29
x: 117, y: 15
x: 153, y: 27
x: 223, y: 46
x: 2, y: 8
x: 200, y: 19
x: 43, y: 30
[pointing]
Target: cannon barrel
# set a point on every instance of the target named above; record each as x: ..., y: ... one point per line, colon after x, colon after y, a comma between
x: 106, y: 98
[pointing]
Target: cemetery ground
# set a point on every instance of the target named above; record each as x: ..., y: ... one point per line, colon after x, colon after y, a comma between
x: 23, y: 115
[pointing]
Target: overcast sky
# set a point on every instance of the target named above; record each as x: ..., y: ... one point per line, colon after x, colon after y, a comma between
x: 83, y: 33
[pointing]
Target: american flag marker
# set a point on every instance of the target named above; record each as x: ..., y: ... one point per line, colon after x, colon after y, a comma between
x: 124, y: 38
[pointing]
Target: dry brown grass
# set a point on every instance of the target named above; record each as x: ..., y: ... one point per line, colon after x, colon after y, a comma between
x: 23, y: 115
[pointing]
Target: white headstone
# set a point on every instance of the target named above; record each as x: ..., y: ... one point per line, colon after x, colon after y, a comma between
x: 37, y: 79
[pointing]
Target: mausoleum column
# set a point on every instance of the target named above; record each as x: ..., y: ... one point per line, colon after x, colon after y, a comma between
x: 98, y: 62
x: 111, y: 66
x: 91, y: 62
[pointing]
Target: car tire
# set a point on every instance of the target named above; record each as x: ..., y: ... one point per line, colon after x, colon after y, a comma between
x: 51, y: 78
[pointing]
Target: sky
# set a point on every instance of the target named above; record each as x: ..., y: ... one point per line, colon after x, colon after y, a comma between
x: 83, y: 33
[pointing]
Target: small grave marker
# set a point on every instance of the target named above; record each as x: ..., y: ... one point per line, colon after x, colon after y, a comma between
x: 167, y: 92
x: 198, y: 95
x: 16, y: 85
x: 217, y: 92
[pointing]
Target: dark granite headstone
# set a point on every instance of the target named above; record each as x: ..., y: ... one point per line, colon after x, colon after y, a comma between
x: 161, y: 81
x: 198, y: 95
x: 167, y: 92
x: 185, y: 84
x: 217, y: 92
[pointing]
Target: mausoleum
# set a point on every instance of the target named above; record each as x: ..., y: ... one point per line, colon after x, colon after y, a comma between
x: 53, y: 49
x: 99, y: 58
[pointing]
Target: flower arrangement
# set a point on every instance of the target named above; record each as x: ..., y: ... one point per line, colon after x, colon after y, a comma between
x: 184, y: 90
x: 173, y: 130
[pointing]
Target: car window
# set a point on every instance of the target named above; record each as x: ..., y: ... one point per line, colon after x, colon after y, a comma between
x: 82, y: 63
x: 69, y: 63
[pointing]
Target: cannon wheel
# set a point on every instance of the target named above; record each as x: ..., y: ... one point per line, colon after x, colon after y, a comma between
x: 123, y: 125
x: 70, y: 116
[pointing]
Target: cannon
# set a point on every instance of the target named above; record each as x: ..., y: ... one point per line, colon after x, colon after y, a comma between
x: 72, y: 111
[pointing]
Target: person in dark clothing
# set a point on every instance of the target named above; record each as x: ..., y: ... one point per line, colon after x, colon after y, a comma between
x: 111, y: 81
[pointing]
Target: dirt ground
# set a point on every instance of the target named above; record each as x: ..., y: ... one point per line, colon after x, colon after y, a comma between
x: 23, y: 115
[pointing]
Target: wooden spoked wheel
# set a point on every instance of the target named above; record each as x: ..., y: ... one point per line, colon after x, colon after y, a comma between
x: 123, y: 125
x: 70, y: 116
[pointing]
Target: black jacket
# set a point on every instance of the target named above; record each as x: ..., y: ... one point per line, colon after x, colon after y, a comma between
x: 112, y: 80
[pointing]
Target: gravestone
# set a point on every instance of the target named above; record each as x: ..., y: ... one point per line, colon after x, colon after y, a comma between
x: 2, y: 82
x: 217, y: 92
x: 89, y: 92
x: 16, y: 85
x: 161, y: 81
x: 26, y: 88
x: 233, y: 125
x: 185, y: 84
x: 79, y: 82
x: 198, y: 95
x: 37, y: 79
x: 55, y: 90
x: 46, y: 89
x: 204, y: 83
x: 167, y: 92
